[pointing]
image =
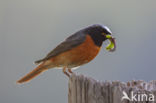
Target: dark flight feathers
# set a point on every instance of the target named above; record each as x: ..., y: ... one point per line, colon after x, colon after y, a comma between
x: 71, y: 42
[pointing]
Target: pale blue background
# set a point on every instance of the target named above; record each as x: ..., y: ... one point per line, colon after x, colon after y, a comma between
x: 29, y: 29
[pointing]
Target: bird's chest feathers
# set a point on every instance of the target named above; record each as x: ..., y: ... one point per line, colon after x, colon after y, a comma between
x: 87, y: 50
x: 79, y: 55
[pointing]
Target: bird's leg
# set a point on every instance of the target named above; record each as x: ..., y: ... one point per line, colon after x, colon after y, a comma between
x: 64, y: 71
x: 69, y: 70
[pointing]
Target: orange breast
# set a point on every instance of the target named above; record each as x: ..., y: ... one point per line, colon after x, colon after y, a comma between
x: 79, y: 55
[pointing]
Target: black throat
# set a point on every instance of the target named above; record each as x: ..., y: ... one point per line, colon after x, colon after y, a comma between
x: 95, y: 31
x: 96, y: 36
x: 98, y: 40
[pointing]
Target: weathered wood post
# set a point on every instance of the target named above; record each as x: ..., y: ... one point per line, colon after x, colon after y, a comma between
x: 87, y: 90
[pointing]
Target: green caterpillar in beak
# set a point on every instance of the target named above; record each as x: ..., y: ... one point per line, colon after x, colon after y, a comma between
x: 112, y: 46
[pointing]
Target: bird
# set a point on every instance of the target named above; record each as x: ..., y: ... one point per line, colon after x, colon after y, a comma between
x: 76, y: 50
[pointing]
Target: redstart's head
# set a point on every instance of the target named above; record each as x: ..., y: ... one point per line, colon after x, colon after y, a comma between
x: 100, y: 33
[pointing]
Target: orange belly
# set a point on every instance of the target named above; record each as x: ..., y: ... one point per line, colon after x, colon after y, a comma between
x: 77, y: 56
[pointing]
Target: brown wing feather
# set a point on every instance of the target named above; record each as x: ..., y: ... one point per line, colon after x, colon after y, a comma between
x: 72, y: 41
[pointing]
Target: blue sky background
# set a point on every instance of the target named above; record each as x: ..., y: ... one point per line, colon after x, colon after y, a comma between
x: 29, y: 29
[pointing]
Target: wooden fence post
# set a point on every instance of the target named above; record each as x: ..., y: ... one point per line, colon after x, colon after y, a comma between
x: 87, y: 90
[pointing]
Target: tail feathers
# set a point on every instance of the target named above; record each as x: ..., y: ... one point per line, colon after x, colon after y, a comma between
x: 38, y: 61
x: 32, y: 74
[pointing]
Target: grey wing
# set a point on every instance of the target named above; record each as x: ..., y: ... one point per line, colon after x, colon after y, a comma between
x: 71, y: 42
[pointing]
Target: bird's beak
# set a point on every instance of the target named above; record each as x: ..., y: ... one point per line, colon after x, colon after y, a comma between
x: 111, y: 46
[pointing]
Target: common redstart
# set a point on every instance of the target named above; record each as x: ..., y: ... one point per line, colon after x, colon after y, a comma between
x: 78, y: 49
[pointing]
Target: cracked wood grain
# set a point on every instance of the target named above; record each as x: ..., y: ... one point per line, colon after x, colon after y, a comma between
x: 87, y: 90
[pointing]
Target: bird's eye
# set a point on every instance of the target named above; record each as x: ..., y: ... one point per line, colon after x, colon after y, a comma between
x: 104, y: 34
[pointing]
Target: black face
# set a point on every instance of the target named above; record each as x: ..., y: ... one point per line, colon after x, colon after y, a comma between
x: 98, y: 33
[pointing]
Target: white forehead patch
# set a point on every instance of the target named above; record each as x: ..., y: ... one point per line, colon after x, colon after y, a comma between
x: 107, y: 29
